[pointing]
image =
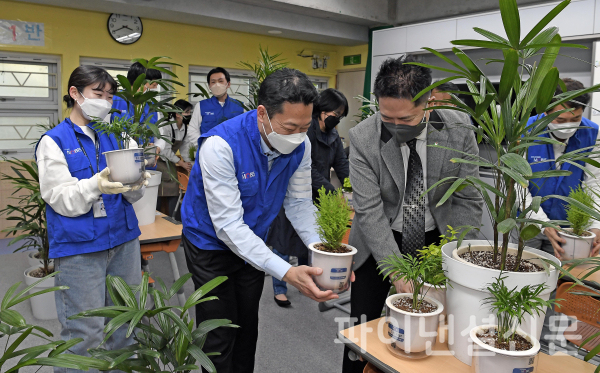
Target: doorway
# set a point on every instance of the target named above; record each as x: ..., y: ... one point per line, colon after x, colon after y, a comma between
x: 351, y: 84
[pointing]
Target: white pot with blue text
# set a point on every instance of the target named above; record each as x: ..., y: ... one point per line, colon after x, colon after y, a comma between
x: 412, y: 335
x: 337, y: 267
x: 488, y: 359
x: 126, y: 165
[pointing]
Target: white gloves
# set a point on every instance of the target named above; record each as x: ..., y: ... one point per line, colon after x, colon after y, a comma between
x: 146, y: 175
x: 109, y: 187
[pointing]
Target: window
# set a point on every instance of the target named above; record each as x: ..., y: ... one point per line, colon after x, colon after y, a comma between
x: 319, y: 82
x: 29, y: 97
x: 240, y: 83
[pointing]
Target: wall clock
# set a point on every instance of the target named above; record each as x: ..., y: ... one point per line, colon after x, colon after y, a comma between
x: 124, y: 29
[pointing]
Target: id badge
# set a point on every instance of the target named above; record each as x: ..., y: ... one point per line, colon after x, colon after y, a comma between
x: 99, y: 211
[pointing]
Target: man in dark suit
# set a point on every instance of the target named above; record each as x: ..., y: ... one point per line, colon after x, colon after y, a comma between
x: 393, y: 161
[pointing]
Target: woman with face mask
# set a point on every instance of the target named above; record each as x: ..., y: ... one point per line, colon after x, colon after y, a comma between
x: 92, y: 227
x: 177, y: 133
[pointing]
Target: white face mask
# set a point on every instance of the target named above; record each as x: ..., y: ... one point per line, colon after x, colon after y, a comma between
x: 285, y: 144
x: 218, y: 89
x: 93, y: 108
x: 564, y: 131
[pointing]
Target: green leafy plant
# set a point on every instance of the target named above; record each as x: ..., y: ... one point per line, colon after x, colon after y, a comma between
x: 267, y: 64
x: 347, y: 187
x: 580, y: 220
x: 524, y: 86
x: 332, y: 217
x: 369, y: 107
x: 192, y: 152
x: 413, y: 270
x: 434, y: 274
x: 29, y: 211
x: 13, y: 324
x: 167, y: 342
x: 511, y: 306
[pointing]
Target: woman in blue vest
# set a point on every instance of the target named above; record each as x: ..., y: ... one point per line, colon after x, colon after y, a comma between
x: 92, y: 227
x: 574, y: 132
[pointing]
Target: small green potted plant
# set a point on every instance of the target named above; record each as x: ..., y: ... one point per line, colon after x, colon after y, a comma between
x: 579, y: 239
x: 412, y: 318
x: 503, y: 347
x: 331, y: 255
x: 347, y: 189
x: 192, y: 152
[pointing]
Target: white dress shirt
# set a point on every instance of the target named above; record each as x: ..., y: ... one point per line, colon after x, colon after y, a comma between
x: 67, y: 195
x: 587, y: 182
x: 227, y: 213
x: 397, y: 225
x: 195, y: 122
x: 166, y: 148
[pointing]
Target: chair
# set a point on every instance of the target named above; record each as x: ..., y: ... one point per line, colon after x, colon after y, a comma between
x: 183, y: 179
x: 583, y: 307
x: 370, y: 368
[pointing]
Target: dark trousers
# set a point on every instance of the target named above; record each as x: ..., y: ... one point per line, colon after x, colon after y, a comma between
x: 369, y: 292
x: 238, y: 301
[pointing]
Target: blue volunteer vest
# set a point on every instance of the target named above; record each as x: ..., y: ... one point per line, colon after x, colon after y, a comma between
x: 87, y: 234
x: 262, y: 192
x: 213, y: 113
x: 583, y: 137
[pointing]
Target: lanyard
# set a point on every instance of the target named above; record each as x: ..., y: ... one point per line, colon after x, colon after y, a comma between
x: 87, y: 156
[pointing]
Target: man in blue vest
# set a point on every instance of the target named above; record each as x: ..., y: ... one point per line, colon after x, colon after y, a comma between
x: 574, y: 132
x: 247, y: 169
x: 217, y: 109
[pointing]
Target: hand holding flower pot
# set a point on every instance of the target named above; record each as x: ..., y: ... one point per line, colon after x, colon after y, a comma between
x: 578, y: 240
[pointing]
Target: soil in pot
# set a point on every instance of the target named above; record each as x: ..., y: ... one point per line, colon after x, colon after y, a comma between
x: 405, y: 304
x: 39, y: 273
x: 485, y: 259
x: 490, y: 338
x: 339, y: 250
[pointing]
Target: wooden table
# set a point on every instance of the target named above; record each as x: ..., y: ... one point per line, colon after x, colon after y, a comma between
x: 581, y: 270
x: 363, y: 340
x: 162, y: 235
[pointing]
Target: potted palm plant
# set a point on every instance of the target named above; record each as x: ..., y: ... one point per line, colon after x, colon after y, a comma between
x: 503, y: 347
x: 412, y: 318
x: 331, y: 255
x: 524, y: 86
x: 168, y: 340
x: 579, y: 239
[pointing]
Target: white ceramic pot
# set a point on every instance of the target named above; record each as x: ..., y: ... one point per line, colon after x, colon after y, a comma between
x: 126, y: 165
x: 145, y: 207
x: 33, y: 261
x: 337, y: 268
x: 438, y: 294
x: 487, y: 359
x: 577, y: 247
x: 467, y: 289
x: 43, y: 306
x: 348, y: 197
x: 150, y: 156
x: 412, y: 332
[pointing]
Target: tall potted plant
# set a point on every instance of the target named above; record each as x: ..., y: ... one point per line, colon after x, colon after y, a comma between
x: 579, y: 240
x: 331, y: 255
x: 524, y: 86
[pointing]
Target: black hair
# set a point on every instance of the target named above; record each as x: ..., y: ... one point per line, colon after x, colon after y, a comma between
x: 397, y: 79
x: 217, y: 70
x: 448, y: 86
x: 286, y: 85
x: 181, y: 104
x: 330, y: 100
x: 138, y: 69
x: 85, y: 75
x: 574, y: 85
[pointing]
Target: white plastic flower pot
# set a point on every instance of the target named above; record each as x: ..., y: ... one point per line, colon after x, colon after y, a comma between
x: 150, y: 156
x: 437, y: 293
x: 145, y: 207
x: 576, y: 247
x: 126, y: 165
x: 43, y: 306
x: 411, y: 334
x: 337, y: 268
x: 348, y: 197
x: 33, y: 261
x: 487, y: 359
x: 467, y: 289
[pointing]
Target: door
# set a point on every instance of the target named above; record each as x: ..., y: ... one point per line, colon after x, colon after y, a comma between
x: 351, y: 84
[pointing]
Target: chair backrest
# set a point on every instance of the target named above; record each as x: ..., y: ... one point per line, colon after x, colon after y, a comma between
x: 583, y: 307
x: 183, y: 180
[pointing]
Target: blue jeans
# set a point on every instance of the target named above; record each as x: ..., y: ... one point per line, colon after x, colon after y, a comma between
x: 280, y: 286
x: 85, y: 275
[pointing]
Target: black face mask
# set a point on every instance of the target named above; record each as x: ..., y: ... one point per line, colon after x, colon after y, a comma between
x: 186, y: 119
x: 403, y: 133
x: 330, y: 122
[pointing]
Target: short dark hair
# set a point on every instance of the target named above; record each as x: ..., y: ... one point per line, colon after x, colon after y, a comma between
x: 448, y: 86
x: 285, y: 85
x: 574, y: 85
x: 137, y: 69
x: 397, y: 79
x: 217, y: 70
x: 330, y: 100
x: 181, y: 104
x: 86, y: 75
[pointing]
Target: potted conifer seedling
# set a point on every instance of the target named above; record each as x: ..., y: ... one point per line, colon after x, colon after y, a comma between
x: 504, y: 347
x: 412, y: 318
x: 333, y: 257
x: 347, y: 189
x: 579, y: 240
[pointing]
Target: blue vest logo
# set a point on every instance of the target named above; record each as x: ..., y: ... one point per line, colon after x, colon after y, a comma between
x: 537, y: 158
x: 248, y: 175
x: 209, y: 113
x: 74, y: 151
